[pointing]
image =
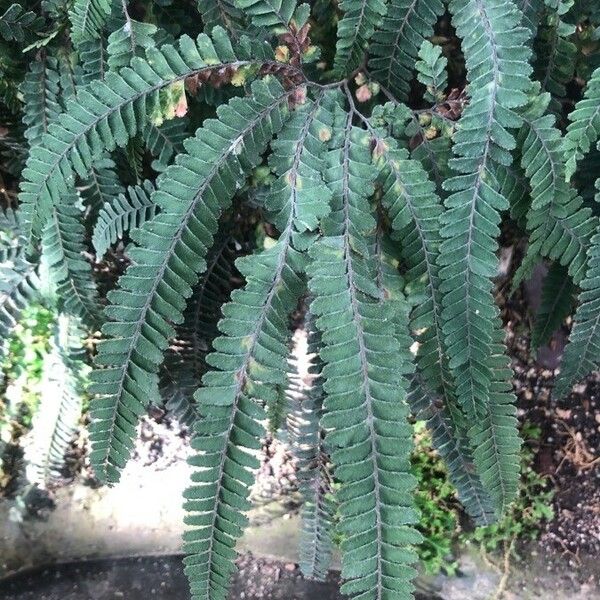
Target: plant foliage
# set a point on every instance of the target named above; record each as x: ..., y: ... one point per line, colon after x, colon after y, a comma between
x: 269, y: 159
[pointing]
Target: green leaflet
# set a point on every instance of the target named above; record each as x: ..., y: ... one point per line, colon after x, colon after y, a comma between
x: 219, y: 12
x: 273, y: 15
x: 106, y: 114
x: 122, y: 213
x: 396, y: 44
x: 584, y: 130
x: 582, y: 351
x: 365, y: 416
x: 556, y: 304
x: 170, y: 255
x: 16, y: 23
x: 131, y: 39
x: 166, y: 141
x: 354, y: 31
x: 431, y: 71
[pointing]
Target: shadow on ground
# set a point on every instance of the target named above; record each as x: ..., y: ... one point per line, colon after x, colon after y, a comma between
x: 162, y: 578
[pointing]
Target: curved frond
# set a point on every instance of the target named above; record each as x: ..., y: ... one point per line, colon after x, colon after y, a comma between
x: 169, y: 257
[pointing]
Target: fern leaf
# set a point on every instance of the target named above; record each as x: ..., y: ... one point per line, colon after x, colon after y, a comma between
x: 122, y: 214
x: 556, y: 304
x: 365, y: 416
x: 59, y: 410
x: 101, y: 186
x: 496, y: 56
x: 40, y: 92
x: 395, y: 46
x: 63, y: 247
x: 583, y: 350
x: 88, y: 18
x: 448, y: 429
x: 431, y: 71
x: 273, y: 15
x: 222, y: 13
x: 167, y: 262
x: 16, y: 23
x: 165, y: 141
x: 132, y: 39
x: 584, y: 130
x: 356, y: 27
x: 532, y: 11
x: 314, y: 479
x: 107, y: 113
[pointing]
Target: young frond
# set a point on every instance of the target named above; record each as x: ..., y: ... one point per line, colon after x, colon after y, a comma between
x: 431, y: 71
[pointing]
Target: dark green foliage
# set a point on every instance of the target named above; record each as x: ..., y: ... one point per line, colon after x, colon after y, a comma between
x: 370, y: 172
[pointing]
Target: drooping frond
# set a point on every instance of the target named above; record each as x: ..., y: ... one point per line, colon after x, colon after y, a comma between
x: 59, y: 409
x: 63, y: 246
x: 88, y: 18
x: 121, y: 214
x: 584, y: 130
x: 365, y: 413
x: 106, y: 114
x: 40, y: 92
x: 558, y: 294
x: 312, y: 468
x: 396, y: 45
x: 448, y: 428
x: 496, y: 56
x: 16, y: 23
x: 185, y: 360
x: 359, y: 21
x: 582, y: 353
x: 431, y: 71
x: 250, y: 369
x: 170, y: 255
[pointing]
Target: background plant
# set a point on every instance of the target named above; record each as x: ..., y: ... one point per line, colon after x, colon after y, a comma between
x: 378, y: 171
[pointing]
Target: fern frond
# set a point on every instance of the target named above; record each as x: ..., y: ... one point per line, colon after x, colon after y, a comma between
x: 558, y: 293
x: 314, y: 479
x: 122, y: 214
x: 171, y: 253
x: 88, y: 18
x: 532, y: 11
x: 222, y: 13
x: 40, y: 90
x: 165, y: 141
x: 63, y: 246
x: 448, y: 428
x: 359, y: 21
x: 273, y: 15
x: 101, y: 186
x: 431, y: 71
x: 584, y: 130
x: 582, y: 353
x: 16, y: 23
x: 59, y: 409
x: 132, y: 39
x: 396, y: 44
x: 365, y: 413
x: 496, y: 56
x: 106, y: 114
x: 18, y: 288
